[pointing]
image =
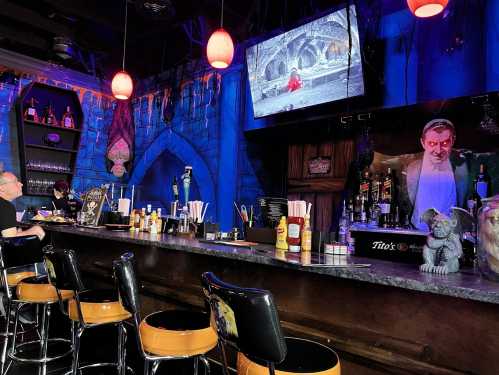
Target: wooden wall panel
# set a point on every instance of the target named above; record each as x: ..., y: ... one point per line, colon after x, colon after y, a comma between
x: 295, y: 161
x: 323, y: 191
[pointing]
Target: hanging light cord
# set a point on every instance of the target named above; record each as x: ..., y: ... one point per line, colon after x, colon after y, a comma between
x: 124, y: 37
x: 222, y: 16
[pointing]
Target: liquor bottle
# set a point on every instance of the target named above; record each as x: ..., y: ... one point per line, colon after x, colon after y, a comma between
x: 175, y: 189
x: 142, y: 219
x: 153, y: 229
x: 147, y: 221
x: 363, y: 210
x: 343, y: 225
x: 351, y: 217
x: 482, y: 182
x: 68, y: 119
x: 306, y: 235
x: 159, y: 221
x: 386, y: 200
x: 30, y: 113
x: 357, y: 208
x: 375, y: 198
x: 474, y: 201
x: 365, y: 191
x: 49, y: 117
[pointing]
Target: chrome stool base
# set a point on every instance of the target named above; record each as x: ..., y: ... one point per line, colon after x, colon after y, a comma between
x: 20, y: 349
x: 128, y: 369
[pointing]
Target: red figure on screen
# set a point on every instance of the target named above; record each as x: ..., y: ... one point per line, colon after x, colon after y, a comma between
x: 294, y: 82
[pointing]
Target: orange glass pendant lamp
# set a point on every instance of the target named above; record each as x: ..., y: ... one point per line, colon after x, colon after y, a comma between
x: 220, y: 48
x: 122, y: 84
x: 426, y: 8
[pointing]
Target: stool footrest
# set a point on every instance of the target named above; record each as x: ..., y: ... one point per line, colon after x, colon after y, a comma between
x: 16, y: 356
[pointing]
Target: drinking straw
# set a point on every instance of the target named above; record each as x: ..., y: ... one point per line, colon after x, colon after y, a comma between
x: 204, y: 212
x: 239, y: 212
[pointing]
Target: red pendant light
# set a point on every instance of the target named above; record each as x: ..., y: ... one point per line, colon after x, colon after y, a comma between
x: 122, y: 84
x: 220, y: 48
x: 426, y: 8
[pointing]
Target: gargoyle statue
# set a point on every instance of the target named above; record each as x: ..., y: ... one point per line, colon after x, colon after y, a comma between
x: 443, y: 247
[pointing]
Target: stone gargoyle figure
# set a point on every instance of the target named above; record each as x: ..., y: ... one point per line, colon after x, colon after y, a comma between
x: 443, y: 247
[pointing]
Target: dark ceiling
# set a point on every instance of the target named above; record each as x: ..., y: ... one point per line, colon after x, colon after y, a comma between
x: 161, y: 33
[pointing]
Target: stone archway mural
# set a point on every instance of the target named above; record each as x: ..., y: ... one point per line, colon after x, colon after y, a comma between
x: 184, y: 151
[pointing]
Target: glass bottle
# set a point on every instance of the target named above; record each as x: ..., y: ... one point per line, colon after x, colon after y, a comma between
x: 175, y: 189
x: 482, y: 182
x: 30, y: 113
x: 49, y: 117
x: 68, y: 119
x: 343, y: 225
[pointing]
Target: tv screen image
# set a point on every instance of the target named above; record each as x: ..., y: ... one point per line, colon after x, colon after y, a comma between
x: 306, y: 66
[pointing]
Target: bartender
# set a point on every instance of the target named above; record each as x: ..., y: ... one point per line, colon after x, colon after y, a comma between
x: 62, y: 200
x: 439, y: 178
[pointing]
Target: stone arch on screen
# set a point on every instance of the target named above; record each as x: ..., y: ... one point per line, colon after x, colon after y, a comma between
x: 184, y: 151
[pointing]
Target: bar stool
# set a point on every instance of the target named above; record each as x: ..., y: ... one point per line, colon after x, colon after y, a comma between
x: 163, y: 335
x: 88, y: 309
x: 247, y: 321
x: 18, y: 257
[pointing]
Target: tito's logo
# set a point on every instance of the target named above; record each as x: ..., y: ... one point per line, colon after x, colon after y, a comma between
x: 381, y: 245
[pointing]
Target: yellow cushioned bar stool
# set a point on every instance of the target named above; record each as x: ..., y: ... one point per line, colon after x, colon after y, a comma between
x: 88, y: 308
x: 20, y: 258
x: 247, y: 321
x: 164, y: 335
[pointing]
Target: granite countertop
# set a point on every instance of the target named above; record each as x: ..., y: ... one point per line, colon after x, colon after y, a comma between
x: 466, y: 284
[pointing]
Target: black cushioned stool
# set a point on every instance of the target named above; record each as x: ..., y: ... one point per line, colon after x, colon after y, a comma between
x: 164, y: 335
x: 89, y: 308
x: 247, y: 321
x: 20, y: 258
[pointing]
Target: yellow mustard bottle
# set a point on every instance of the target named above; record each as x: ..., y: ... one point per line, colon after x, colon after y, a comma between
x: 306, y: 235
x: 282, y: 234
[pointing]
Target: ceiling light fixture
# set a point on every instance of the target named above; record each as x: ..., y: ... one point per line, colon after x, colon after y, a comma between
x: 122, y: 84
x: 220, y: 48
x: 426, y: 8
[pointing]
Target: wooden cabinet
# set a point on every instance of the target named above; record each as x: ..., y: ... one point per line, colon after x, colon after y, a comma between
x: 47, y: 152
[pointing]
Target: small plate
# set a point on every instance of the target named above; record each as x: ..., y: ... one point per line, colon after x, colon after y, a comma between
x: 118, y: 227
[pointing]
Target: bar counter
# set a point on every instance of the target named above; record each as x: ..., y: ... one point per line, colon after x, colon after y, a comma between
x: 387, y: 318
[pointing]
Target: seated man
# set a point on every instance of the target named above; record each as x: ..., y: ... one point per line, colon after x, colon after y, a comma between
x: 10, y: 189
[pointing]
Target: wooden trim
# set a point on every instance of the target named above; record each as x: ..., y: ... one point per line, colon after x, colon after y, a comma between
x: 325, y: 185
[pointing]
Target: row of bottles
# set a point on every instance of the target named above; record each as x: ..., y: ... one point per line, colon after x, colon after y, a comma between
x: 375, y: 201
x: 481, y: 189
x: 49, y: 117
x: 146, y: 220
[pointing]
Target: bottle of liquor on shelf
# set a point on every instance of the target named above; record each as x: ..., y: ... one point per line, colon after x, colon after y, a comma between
x: 474, y: 201
x: 351, y: 211
x: 482, y: 182
x: 68, y: 119
x: 357, y: 208
x: 175, y: 189
x: 385, y: 205
x: 365, y: 190
x: 49, y: 117
x: 159, y: 221
x: 363, y: 210
x: 30, y: 113
x: 343, y: 225
x: 375, y: 198
x: 147, y: 221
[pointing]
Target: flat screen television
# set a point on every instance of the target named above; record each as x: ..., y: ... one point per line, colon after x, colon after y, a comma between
x: 307, y: 65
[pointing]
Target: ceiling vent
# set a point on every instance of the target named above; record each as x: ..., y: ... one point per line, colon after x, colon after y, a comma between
x: 156, y: 9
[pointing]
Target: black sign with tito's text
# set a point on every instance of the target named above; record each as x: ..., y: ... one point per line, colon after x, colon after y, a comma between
x: 390, y: 244
x: 92, y: 206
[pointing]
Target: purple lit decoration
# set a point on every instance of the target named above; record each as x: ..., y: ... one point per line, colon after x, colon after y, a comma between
x: 120, y: 146
x: 52, y: 139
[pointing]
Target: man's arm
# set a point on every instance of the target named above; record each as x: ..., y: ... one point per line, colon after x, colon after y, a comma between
x: 35, y: 230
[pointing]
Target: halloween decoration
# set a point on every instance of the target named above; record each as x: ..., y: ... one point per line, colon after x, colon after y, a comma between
x: 120, y: 147
x: 443, y: 247
x: 488, y: 237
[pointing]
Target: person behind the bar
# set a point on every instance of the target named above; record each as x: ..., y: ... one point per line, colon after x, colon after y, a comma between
x: 10, y: 189
x: 440, y: 178
x: 62, y: 200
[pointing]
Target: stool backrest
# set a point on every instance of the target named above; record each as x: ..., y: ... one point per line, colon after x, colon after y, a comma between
x: 125, y: 273
x: 126, y: 279
x: 246, y: 319
x: 63, y: 269
x: 20, y: 251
